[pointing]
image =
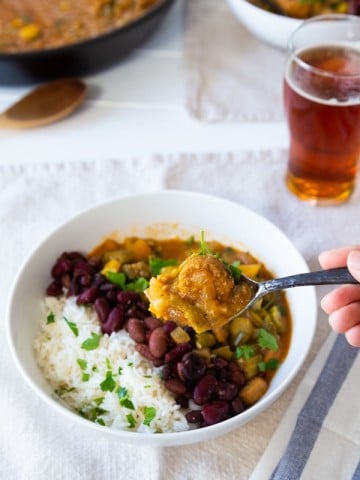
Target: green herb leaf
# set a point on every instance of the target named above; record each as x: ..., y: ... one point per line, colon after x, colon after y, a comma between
x: 131, y: 420
x: 235, y: 270
x: 244, y: 351
x: 157, y: 264
x: 120, y: 370
x: 138, y: 285
x: 150, y: 413
x: 91, y: 343
x: 98, y: 401
x: 100, y: 421
x: 108, y: 384
x: 73, y: 327
x: 271, y: 364
x: 50, y: 318
x: 124, y: 399
x: 85, y: 377
x: 204, y: 249
x: 117, y: 278
x: 267, y: 340
x: 82, y: 363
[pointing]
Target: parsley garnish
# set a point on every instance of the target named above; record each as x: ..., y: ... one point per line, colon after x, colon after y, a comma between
x: 85, y: 377
x: 235, y: 271
x: 100, y: 421
x: 82, y: 363
x: 108, y: 384
x: 73, y: 327
x: 50, y: 318
x: 267, y: 340
x: 119, y: 279
x: 124, y: 399
x: 131, y: 420
x: 244, y: 351
x: 150, y: 413
x: 157, y: 264
x: 271, y: 364
x: 204, y: 249
x: 92, y: 342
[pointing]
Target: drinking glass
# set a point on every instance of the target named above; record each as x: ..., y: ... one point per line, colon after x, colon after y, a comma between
x: 322, y: 106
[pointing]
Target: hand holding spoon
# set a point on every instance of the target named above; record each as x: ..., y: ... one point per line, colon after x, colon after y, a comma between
x: 334, y: 276
x: 46, y: 104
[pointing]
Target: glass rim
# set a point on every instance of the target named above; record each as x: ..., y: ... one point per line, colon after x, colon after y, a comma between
x: 306, y: 66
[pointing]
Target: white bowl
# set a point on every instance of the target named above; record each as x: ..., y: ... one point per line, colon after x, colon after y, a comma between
x: 164, y: 214
x: 269, y: 27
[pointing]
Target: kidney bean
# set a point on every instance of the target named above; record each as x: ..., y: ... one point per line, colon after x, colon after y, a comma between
x: 167, y: 371
x: 237, y: 405
x: 87, y: 296
x: 177, y: 352
x: 111, y: 296
x: 74, y: 256
x: 54, y: 289
x: 182, y: 400
x: 191, y: 368
x: 158, y: 342
x: 114, y: 321
x: 220, y: 363
x: 215, y: 412
x: 82, y: 268
x: 85, y: 280
x: 136, y: 329
x: 226, y: 391
x: 152, y: 322
x: 63, y: 265
x: 237, y: 377
x: 102, y: 309
x: 194, y: 416
x: 144, y: 350
x: 175, y: 386
x: 65, y: 280
x: 204, y: 389
x: 95, y: 262
x: 169, y: 326
x: 98, y: 280
x: 127, y: 297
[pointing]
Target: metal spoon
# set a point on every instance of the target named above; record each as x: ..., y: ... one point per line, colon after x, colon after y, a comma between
x: 334, y: 276
x: 46, y: 104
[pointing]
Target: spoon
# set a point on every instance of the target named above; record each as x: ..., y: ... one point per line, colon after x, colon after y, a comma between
x: 334, y: 276
x: 45, y: 104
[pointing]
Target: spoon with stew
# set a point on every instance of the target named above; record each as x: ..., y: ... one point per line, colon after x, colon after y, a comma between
x: 45, y: 104
x: 334, y: 276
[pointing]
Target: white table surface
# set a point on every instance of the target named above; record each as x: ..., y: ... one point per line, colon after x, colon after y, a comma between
x: 137, y: 107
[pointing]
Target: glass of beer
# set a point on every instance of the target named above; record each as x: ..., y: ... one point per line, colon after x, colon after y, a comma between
x: 322, y: 106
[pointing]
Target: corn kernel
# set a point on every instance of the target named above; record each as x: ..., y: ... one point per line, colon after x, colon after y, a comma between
x: 29, y: 32
x: 111, y: 266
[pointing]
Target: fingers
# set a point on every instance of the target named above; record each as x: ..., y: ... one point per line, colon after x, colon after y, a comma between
x: 340, y: 297
x: 353, y: 264
x: 345, y: 318
x: 353, y: 336
x: 337, y: 257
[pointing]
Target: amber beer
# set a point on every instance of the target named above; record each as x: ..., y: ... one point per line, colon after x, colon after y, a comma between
x: 322, y: 104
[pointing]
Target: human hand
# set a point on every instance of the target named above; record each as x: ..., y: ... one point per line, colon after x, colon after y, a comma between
x: 343, y: 304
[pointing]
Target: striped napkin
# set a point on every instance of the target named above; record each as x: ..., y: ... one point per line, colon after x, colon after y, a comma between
x: 317, y: 419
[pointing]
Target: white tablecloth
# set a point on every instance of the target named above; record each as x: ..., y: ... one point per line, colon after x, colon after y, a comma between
x: 36, y: 444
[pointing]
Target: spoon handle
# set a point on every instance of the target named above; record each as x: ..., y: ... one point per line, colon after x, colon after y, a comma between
x: 334, y: 276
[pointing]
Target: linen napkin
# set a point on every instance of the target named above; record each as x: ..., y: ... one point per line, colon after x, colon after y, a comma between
x: 230, y: 74
x: 37, y: 444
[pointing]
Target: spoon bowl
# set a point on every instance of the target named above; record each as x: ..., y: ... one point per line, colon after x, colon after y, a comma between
x: 45, y: 104
x: 333, y: 276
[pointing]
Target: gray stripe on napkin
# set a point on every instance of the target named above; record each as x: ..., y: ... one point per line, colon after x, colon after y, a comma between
x: 356, y: 475
x: 313, y: 413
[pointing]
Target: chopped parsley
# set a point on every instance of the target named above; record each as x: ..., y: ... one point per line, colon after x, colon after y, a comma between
x: 204, y: 249
x: 82, y: 363
x: 267, y: 340
x: 157, y: 264
x: 50, y: 318
x: 130, y: 418
x: 271, y: 364
x: 92, y: 342
x: 150, y: 413
x: 244, y: 351
x: 235, y: 270
x: 108, y: 384
x: 124, y: 399
x: 119, y: 279
x: 73, y: 327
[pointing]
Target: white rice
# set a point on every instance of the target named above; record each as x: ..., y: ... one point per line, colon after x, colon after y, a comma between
x: 75, y: 373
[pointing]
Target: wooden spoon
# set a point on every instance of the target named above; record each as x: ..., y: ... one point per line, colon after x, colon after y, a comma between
x: 45, y: 104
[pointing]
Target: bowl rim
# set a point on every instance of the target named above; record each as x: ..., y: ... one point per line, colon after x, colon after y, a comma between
x: 253, y: 7
x: 98, y: 39
x: 166, y: 438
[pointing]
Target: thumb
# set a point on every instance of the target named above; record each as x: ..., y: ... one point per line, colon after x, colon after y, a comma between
x: 353, y: 264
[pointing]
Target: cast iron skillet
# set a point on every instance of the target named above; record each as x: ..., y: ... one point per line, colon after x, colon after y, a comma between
x: 82, y: 58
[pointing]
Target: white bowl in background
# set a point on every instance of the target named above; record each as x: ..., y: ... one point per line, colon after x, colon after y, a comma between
x: 269, y: 27
x: 164, y: 214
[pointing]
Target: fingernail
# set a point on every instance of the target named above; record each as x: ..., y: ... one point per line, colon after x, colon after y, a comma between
x: 354, y: 260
